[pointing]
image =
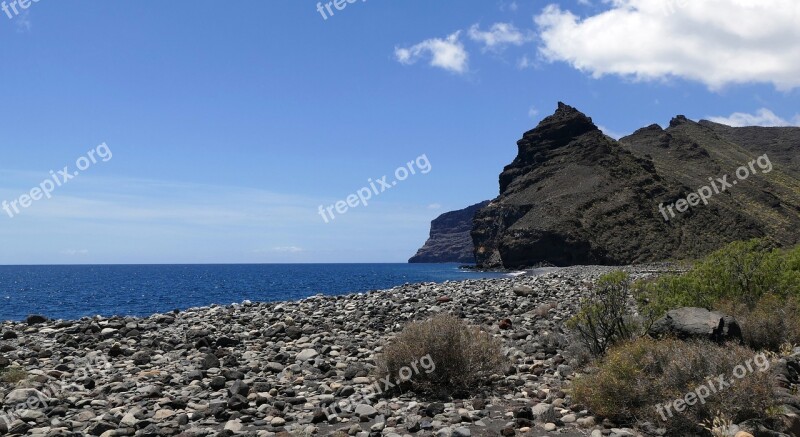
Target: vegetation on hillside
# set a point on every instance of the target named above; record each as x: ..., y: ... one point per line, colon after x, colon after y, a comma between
x: 633, y: 375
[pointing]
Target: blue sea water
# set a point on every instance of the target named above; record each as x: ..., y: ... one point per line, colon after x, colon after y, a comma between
x: 71, y: 292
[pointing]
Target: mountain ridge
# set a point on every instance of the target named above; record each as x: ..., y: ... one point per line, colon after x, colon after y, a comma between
x: 573, y: 195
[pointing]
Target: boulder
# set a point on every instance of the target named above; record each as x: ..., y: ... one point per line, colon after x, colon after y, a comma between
x: 306, y: 354
x: 26, y: 395
x: 697, y: 323
x: 544, y: 413
x: 523, y: 290
x: 364, y: 410
x: 35, y: 319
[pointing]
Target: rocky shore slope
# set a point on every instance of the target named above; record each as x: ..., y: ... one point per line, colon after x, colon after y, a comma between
x: 297, y: 368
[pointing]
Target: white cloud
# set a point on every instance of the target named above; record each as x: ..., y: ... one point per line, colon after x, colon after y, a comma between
x: 533, y: 112
x: 75, y: 252
x: 511, y: 7
x: 288, y: 249
x: 763, y: 117
x: 525, y: 62
x: 448, y: 53
x: 498, y: 36
x: 435, y: 206
x: 715, y: 42
x: 23, y: 22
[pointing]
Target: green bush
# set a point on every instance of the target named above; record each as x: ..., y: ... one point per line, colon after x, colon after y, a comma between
x: 637, y: 377
x: 789, y: 281
x: 656, y: 297
x: 742, y: 273
x: 604, y: 318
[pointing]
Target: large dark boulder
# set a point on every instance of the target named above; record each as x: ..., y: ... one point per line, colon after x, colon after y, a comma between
x: 35, y: 319
x: 576, y: 196
x: 697, y: 323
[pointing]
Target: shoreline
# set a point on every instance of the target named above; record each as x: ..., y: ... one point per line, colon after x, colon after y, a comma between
x: 267, y: 368
x: 655, y: 268
x: 142, y: 291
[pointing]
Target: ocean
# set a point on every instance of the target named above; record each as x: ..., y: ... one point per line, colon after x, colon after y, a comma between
x: 72, y: 292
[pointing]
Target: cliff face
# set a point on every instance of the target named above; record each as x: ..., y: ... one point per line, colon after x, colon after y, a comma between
x: 450, y: 239
x: 575, y: 196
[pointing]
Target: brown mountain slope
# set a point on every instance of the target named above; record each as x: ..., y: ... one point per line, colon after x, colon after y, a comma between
x: 689, y: 153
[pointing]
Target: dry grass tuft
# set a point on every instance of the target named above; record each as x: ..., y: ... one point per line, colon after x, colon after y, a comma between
x: 637, y: 377
x: 13, y: 375
x: 464, y: 358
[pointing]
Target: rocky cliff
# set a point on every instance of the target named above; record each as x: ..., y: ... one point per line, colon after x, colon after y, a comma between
x: 575, y: 196
x: 450, y: 239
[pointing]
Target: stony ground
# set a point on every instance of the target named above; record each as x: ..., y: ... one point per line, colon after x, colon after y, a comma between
x: 260, y: 369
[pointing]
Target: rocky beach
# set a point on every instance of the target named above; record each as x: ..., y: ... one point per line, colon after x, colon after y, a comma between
x: 265, y: 369
x: 307, y: 367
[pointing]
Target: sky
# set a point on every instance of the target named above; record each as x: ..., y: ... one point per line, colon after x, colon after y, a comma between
x: 250, y: 131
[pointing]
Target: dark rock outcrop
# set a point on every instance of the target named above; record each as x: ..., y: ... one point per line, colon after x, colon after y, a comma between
x: 697, y: 323
x: 575, y: 196
x: 450, y: 239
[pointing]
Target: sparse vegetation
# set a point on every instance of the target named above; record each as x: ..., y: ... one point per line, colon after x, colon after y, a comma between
x: 771, y: 324
x: 12, y: 375
x: 750, y: 280
x: 636, y: 377
x: 720, y: 426
x: 754, y: 282
x: 605, y: 318
x: 464, y: 357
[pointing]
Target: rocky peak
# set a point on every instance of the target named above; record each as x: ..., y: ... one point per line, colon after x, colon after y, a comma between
x: 559, y: 129
x: 567, y: 131
x: 679, y: 120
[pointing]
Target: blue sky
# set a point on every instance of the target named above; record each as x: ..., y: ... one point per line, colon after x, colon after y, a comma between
x: 231, y: 123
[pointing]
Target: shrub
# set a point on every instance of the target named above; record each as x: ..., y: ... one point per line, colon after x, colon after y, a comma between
x: 463, y: 357
x: 656, y: 297
x: 771, y: 324
x: 12, y: 375
x: 789, y: 281
x: 637, y: 377
x: 577, y: 352
x: 741, y: 273
x: 604, y: 318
